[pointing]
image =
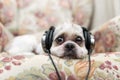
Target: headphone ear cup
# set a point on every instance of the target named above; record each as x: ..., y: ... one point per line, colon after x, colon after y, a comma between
x: 87, y: 39
x: 48, y: 39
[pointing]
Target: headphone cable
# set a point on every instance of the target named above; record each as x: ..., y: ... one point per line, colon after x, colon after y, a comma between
x: 49, y: 52
x: 89, y: 66
x: 59, y: 78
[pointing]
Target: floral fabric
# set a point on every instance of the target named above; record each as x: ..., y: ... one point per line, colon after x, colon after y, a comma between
x: 108, y: 36
x: 5, y: 37
x: 18, y: 67
x: 29, y: 16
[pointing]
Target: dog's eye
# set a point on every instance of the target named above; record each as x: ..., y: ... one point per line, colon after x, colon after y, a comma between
x: 78, y: 39
x: 60, y: 40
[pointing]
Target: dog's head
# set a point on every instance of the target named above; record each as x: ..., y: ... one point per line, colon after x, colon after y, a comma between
x: 68, y: 41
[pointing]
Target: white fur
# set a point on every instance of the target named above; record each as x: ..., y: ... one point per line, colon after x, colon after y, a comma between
x: 27, y: 43
x: 59, y: 50
x: 69, y: 29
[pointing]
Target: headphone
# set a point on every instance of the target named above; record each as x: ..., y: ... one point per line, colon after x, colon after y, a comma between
x: 47, y: 39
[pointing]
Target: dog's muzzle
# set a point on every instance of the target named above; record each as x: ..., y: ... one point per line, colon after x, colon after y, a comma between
x: 70, y: 51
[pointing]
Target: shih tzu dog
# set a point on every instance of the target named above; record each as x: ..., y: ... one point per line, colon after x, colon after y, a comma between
x: 68, y: 41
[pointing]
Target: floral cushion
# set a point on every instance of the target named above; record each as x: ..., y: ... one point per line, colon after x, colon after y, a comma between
x: 28, y: 16
x: 108, y: 36
x: 7, y: 11
x: 18, y: 67
x: 5, y: 37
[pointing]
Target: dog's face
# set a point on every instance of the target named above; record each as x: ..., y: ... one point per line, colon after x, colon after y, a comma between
x: 69, y: 42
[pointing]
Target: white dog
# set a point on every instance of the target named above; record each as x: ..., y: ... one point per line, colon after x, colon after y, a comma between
x: 68, y: 41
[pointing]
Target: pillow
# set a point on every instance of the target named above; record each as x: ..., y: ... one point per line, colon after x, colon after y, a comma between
x: 108, y: 36
x: 30, y: 16
x: 7, y: 11
x: 5, y: 37
x: 18, y: 67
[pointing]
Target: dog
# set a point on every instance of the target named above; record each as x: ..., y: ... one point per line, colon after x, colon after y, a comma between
x: 68, y: 42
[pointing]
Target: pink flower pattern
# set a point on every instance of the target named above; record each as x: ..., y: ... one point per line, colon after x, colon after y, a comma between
x: 15, y: 60
x: 107, y: 37
x: 107, y: 40
x: 12, y: 11
x: 106, y: 66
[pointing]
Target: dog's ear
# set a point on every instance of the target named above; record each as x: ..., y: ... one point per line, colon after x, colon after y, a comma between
x: 89, y: 40
x: 47, y: 39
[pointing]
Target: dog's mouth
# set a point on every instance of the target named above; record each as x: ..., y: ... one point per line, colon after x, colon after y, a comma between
x: 70, y: 55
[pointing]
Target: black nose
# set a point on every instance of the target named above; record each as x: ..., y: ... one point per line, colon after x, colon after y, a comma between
x: 69, y: 46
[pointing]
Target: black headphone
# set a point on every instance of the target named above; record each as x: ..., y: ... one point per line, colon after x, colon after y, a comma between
x: 47, y: 39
